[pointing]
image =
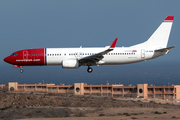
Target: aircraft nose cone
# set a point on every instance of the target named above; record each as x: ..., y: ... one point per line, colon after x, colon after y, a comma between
x: 6, y: 59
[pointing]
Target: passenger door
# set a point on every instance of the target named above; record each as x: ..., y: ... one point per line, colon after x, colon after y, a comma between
x: 142, y: 53
x: 25, y: 55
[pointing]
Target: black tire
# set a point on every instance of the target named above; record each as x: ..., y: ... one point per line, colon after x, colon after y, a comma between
x: 21, y: 71
x: 89, y: 69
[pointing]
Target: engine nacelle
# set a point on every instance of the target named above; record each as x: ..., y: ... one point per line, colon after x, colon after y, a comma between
x: 70, y: 64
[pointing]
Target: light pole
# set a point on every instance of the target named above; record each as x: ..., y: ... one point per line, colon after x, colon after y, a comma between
x: 169, y: 90
x: 61, y: 88
x: 43, y: 84
x: 107, y: 88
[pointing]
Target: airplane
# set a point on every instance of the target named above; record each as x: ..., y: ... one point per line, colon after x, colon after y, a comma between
x: 72, y: 58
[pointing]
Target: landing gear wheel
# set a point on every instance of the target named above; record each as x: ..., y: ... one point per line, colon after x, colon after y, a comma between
x: 89, y: 69
x: 21, y: 70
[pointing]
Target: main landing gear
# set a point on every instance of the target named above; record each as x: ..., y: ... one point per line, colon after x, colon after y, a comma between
x: 89, y: 69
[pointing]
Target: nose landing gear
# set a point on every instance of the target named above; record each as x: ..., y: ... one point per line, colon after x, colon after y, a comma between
x: 89, y: 69
x: 21, y: 70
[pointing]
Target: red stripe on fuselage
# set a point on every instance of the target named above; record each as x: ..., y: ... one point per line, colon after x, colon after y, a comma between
x: 28, y: 57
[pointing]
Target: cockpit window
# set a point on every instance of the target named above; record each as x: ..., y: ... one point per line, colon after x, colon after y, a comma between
x: 13, y: 54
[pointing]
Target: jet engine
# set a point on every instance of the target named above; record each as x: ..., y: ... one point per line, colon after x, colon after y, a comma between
x: 70, y: 64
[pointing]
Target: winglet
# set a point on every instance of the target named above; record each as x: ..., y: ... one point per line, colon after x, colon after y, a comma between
x: 169, y: 18
x: 114, y: 43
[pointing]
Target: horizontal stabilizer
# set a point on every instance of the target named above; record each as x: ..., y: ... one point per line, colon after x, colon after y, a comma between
x: 165, y: 49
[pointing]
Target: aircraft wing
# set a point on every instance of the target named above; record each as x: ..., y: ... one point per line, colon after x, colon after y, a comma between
x: 98, y: 56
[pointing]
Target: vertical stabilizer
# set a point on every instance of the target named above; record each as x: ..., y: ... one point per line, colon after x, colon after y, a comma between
x: 160, y: 37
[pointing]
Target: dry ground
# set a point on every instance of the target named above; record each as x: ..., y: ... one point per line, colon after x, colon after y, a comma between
x: 64, y: 107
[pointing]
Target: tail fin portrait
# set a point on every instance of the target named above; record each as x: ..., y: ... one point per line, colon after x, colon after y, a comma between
x: 159, y: 39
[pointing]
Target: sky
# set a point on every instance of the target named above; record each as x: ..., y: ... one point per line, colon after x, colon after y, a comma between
x: 28, y: 24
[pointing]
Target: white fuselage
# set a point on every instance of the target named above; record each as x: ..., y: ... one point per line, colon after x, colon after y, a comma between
x: 120, y: 55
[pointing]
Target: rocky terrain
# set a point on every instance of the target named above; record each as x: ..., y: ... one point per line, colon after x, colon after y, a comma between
x: 41, y: 105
